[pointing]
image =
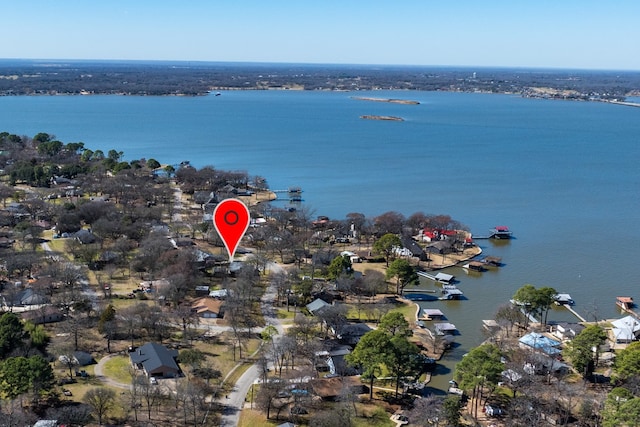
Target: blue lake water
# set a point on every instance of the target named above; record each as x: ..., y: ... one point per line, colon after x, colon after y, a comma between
x: 562, y: 175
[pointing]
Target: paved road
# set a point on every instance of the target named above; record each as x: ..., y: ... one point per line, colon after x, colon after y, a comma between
x: 234, y: 401
x: 177, y: 206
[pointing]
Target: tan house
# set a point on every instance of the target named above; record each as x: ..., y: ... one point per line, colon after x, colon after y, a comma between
x: 207, y: 307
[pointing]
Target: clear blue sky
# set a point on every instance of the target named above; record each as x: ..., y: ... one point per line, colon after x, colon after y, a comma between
x: 592, y: 34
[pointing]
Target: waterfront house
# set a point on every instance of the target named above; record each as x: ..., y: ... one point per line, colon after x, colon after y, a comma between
x: 412, y: 248
x: 440, y: 247
x: 625, y: 330
x: 155, y: 360
x: 566, y: 330
x: 541, y: 343
x: 352, y: 332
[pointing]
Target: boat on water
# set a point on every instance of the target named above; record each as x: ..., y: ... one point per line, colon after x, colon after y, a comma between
x: 501, y: 232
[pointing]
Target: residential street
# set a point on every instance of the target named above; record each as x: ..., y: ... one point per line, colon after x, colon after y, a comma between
x: 234, y: 402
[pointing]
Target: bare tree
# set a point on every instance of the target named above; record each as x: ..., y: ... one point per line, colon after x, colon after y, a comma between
x: 101, y: 399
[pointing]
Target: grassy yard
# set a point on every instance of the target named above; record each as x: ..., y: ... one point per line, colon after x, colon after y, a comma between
x: 369, y: 415
x: 283, y: 314
x: 117, y: 368
x: 221, y: 355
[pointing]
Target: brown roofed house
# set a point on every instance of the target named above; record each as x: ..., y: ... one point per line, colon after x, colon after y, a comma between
x: 208, y: 307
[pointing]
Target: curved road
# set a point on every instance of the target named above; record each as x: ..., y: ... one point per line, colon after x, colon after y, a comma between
x: 234, y: 401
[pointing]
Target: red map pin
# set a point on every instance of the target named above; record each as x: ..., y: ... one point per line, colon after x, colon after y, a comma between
x: 231, y: 220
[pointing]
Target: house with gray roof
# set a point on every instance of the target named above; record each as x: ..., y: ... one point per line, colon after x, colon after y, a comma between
x: 317, y: 305
x: 155, y: 360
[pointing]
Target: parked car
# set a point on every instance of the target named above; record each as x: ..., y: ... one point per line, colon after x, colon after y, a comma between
x: 493, y: 411
x: 153, y: 380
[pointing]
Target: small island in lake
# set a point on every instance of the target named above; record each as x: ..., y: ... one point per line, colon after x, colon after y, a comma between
x: 391, y: 118
x: 391, y: 100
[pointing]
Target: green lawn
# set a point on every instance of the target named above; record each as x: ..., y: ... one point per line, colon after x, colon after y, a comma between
x: 117, y: 368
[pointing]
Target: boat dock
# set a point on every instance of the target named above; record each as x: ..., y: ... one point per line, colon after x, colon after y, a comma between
x: 430, y: 291
x: 294, y: 193
x: 627, y: 304
x: 568, y: 307
x: 291, y: 190
x: 498, y: 232
x: 439, y: 277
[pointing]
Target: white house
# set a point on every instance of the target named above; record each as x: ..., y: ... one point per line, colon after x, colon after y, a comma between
x: 626, y: 329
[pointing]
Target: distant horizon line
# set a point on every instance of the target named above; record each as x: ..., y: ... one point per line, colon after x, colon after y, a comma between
x: 315, y: 64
